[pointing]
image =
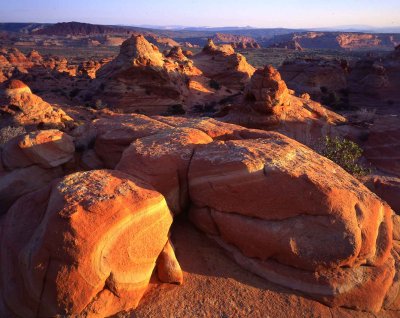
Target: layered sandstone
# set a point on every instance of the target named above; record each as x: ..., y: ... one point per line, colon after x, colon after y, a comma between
x: 275, y: 232
x: 169, y: 153
x: 269, y: 104
x: 223, y: 65
x: 30, y: 162
x: 237, y: 41
x: 21, y: 107
x: 314, y: 77
x: 139, y: 80
x: 45, y: 148
x: 288, y: 45
x: 279, y: 209
x: 85, y: 247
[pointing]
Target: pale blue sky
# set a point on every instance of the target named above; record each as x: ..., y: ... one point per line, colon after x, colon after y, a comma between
x: 257, y: 13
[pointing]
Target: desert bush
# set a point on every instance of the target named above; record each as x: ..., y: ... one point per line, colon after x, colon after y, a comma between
x: 345, y: 153
x: 9, y: 132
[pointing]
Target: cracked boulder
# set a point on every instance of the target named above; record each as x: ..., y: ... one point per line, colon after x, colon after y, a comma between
x: 116, y: 132
x: 162, y: 160
x: 295, y: 218
x: 85, y: 246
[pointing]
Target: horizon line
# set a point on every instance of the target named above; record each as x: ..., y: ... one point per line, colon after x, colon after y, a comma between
x: 214, y: 27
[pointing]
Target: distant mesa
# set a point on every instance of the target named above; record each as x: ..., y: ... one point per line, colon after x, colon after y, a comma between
x: 289, y: 45
x: 237, y: 41
x: 78, y: 28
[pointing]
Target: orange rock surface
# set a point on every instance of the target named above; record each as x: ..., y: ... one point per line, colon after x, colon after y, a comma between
x: 88, y: 246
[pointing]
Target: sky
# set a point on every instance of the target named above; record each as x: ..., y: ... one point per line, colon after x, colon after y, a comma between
x: 255, y: 13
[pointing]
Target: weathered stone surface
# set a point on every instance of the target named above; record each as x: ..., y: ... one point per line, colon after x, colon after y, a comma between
x: 224, y: 66
x: 269, y: 105
x: 162, y: 160
x: 138, y: 79
x: 46, y: 148
x: 268, y: 90
x: 168, y: 268
x: 314, y: 76
x: 85, y: 247
x: 382, y: 146
x: 251, y: 190
x: 19, y: 182
x: 26, y: 108
x: 388, y: 188
x: 116, y: 132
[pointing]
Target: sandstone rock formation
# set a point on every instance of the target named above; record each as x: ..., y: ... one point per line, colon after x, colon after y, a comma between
x: 269, y: 104
x: 169, y: 153
x: 223, y: 65
x: 139, y: 80
x: 237, y: 41
x: 276, y: 233
x: 168, y: 268
x: 381, y: 146
x: 115, y: 133
x: 31, y: 162
x: 142, y: 80
x: 18, y: 182
x: 314, y: 76
x: 279, y: 209
x: 86, y: 247
x: 288, y: 45
x: 176, y: 53
x: 46, y: 148
x: 89, y: 68
x: 19, y: 106
x: 268, y: 90
x: 340, y: 40
x: 387, y: 188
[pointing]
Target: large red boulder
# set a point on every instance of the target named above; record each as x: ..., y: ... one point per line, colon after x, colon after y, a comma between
x: 116, y: 132
x: 295, y: 218
x: 162, y: 160
x: 85, y: 247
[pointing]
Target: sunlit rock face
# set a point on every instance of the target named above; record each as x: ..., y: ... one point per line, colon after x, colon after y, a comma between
x: 140, y: 80
x: 86, y: 246
x: 23, y: 108
x: 327, y: 242
x: 86, y: 243
x: 269, y: 104
x: 223, y: 65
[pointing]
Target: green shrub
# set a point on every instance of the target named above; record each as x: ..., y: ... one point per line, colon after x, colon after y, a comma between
x: 345, y: 153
